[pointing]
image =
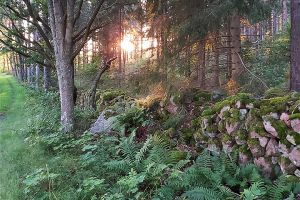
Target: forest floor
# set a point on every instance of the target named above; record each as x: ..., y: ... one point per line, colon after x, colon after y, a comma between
x: 16, y: 157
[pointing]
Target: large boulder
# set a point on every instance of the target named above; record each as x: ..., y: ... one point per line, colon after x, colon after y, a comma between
x: 270, y: 129
x: 102, y: 124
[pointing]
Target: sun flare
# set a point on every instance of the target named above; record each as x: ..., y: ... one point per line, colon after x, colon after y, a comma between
x: 126, y: 45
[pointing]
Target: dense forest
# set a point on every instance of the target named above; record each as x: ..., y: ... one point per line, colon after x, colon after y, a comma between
x: 150, y: 99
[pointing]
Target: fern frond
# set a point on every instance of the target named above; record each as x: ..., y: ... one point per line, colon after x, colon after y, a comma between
x: 201, y: 193
x: 140, y: 155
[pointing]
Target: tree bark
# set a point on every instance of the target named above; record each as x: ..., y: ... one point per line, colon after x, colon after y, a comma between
x: 295, y: 46
x: 92, y: 93
x: 284, y: 14
x: 47, y: 78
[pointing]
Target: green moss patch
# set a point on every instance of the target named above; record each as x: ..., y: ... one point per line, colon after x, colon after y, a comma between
x: 226, y: 138
x: 295, y: 108
x: 295, y: 135
x: 279, y: 126
x: 179, y: 155
x: 295, y: 116
x: 274, y: 92
x: 207, y: 112
x: 242, y: 134
x: 219, y: 105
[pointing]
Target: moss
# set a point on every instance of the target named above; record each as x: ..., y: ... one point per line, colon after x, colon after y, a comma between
x: 253, y: 142
x: 226, y: 113
x: 292, y: 179
x: 295, y: 135
x: 172, y: 130
x: 242, y: 134
x: 215, y: 142
x: 274, y: 92
x: 259, y: 129
x: 255, y: 112
x: 295, y: 116
x: 279, y: 126
x: 226, y: 137
x: 265, y: 110
x: 295, y: 108
x: 194, y: 122
x: 192, y: 142
x: 197, y: 112
x: 219, y: 105
x: 286, y: 143
x: 245, y: 151
x: 212, y: 129
x: 111, y: 94
x: 279, y: 103
x: 201, y: 136
x: 222, y: 127
x: 203, y: 95
x: 207, y: 112
x: 236, y: 115
x: 179, y: 155
x: 284, y: 160
x: 242, y: 97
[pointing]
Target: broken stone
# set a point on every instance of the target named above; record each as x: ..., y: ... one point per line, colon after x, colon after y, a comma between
x: 257, y: 151
x: 295, y: 123
x: 287, y: 168
x: 283, y: 149
x: 253, y: 134
x: 294, y: 156
x: 286, y: 118
x: 269, y: 128
x: 291, y: 139
x: 263, y: 141
x: 214, y: 148
x: 250, y: 106
x: 274, y: 160
x: 238, y: 104
x: 273, y: 115
x: 222, y: 110
x: 240, y: 141
x: 297, y: 173
x: 272, y: 148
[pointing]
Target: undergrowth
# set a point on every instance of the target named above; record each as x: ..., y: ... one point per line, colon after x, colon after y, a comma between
x: 117, y: 166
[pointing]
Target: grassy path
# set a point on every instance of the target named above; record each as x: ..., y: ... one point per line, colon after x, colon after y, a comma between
x: 16, y: 157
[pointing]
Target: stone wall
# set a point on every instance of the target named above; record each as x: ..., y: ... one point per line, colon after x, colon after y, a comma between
x: 266, y: 131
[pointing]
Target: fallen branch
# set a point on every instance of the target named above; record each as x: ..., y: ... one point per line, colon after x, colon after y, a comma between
x: 252, y: 73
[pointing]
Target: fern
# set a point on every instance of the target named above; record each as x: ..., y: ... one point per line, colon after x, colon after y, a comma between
x: 202, y: 194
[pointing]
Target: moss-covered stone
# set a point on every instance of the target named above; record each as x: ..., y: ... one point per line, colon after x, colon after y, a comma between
x: 292, y: 179
x: 212, y: 129
x: 200, y: 136
x: 242, y: 97
x: 295, y: 135
x: 235, y: 115
x: 179, y: 155
x: 219, y: 105
x: 244, y: 149
x: 286, y: 143
x: 226, y: 113
x: 279, y: 126
x: 242, y: 134
x: 284, y: 160
x: 279, y: 103
x: 295, y: 116
x: 226, y: 138
x: 274, y: 92
x: 222, y: 127
x: 207, y: 112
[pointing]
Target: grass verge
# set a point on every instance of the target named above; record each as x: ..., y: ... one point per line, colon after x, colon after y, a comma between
x: 16, y: 157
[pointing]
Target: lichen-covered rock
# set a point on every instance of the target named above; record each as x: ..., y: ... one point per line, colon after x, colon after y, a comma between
x: 294, y: 156
x: 272, y: 148
x: 273, y: 115
x: 295, y: 123
x: 253, y: 135
x: 270, y: 129
x: 285, y: 117
x: 286, y: 166
x: 255, y: 148
x: 214, y: 147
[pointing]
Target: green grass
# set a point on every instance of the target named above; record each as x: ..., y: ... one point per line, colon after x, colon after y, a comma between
x: 6, y: 93
x: 16, y: 156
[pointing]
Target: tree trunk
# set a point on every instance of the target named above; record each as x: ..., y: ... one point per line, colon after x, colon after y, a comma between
x: 47, y: 78
x: 295, y: 45
x: 217, y: 61
x: 14, y: 64
x: 105, y: 66
x: 120, y: 42
x: 236, y: 44
x: 37, y: 74
x: 228, y: 53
